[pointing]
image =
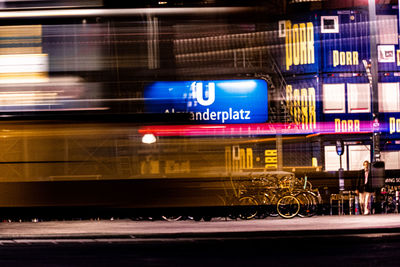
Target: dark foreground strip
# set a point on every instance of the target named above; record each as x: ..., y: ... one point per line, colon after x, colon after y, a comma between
x: 332, y: 233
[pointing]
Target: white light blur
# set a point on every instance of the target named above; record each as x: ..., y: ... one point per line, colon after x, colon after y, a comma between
x: 149, y: 139
x: 24, y: 63
x: 23, y: 68
x: 238, y: 86
x: 117, y: 12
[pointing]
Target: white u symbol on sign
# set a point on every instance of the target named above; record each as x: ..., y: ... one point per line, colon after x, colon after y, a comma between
x: 211, y: 94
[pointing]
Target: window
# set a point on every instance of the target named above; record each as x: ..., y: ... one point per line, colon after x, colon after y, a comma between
x: 334, y: 98
x: 332, y: 160
x: 358, y: 97
x: 357, y: 155
x: 387, y: 29
x: 282, y: 29
x: 386, y: 54
x: 330, y: 24
x: 388, y: 97
x: 391, y: 159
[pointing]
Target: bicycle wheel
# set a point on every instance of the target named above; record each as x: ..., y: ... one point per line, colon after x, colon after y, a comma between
x: 288, y: 207
x: 305, y: 204
x: 262, y: 209
x: 171, y: 218
x: 248, y: 207
x: 269, y: 204
x: 313, y: 208
x: 391, y: 206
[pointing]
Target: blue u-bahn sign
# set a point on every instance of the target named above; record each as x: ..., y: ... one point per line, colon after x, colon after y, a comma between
x: 211, y: 102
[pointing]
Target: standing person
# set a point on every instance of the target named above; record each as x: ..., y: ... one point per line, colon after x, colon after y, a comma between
x: 364, y: 188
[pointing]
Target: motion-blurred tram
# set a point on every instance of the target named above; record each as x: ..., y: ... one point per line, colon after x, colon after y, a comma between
x: 75, y: 88
x: 158, y: 107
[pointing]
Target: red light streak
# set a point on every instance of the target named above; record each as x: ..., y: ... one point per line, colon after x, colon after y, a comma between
x: 249, y: 129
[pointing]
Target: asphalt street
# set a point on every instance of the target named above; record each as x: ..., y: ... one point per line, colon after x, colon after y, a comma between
x: 316, y: 241
x: 346, y: 224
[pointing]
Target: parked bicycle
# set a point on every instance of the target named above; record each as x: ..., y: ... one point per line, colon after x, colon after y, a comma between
x: 271, y: 194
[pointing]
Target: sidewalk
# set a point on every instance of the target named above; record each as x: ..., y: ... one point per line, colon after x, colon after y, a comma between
x: 318, y: 225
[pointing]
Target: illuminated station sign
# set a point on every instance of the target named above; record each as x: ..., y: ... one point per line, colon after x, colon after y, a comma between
x: 211, y: 102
